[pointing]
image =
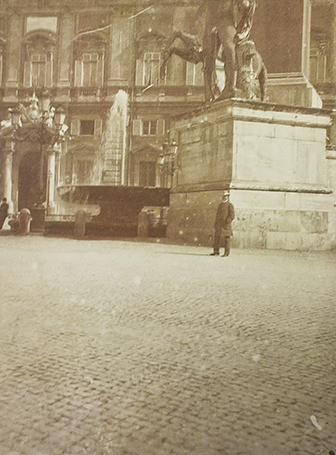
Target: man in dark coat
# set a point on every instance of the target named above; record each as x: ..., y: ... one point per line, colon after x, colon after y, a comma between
x: 224, y: 217
x: 3, y: 211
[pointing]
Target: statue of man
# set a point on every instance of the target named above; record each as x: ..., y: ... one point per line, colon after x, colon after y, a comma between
x: 222, y: 31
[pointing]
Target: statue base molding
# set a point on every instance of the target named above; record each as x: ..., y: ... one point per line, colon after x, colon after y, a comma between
x: 272, y: 158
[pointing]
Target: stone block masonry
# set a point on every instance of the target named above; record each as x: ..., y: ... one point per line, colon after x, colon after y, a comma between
x: 274, y: 160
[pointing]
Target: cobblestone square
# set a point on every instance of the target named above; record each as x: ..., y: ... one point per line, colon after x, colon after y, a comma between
x: 118, y: 347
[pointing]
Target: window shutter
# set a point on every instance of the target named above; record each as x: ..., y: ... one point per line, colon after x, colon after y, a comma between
x: 136, y: 127
x: 190, y: 73
x: 100, y: 72
x: 78, y: 73
x: 26, y: 74
x: 98, y: 127
x: 160, y: 126
x: 139, y: 72
x: 75, y: 127
x: 199, y: 75
x: 49, y: 70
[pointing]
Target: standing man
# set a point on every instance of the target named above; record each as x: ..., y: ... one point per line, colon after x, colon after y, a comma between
x: 3, y: 211
x: 224, y: 217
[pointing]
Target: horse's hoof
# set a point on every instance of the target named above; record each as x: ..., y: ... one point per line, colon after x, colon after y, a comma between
x: 227, y: 94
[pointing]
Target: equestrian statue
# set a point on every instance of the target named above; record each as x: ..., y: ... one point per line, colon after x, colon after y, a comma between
x: 226, y: 37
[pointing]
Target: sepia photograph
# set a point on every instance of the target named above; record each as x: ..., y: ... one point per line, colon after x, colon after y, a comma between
x: 167, y: 227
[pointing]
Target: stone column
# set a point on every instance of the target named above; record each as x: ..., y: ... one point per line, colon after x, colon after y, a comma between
x: 58, y: 152
x: 51, y: 181
x: 306, y: 27
x: 8, y: 173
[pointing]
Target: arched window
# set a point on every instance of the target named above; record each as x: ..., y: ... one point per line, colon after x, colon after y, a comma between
x: 39, y: 58
x: 90, y: 52
x: 149, y: 60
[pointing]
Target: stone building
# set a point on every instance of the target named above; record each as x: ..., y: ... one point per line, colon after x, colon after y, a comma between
x: 100, y: 59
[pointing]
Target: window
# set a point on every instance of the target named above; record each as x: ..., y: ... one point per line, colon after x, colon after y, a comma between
x: 152, y: 68
x: 84, y: 172
x: 39, y: 60
x: 87, y: 127
x: 149, y: 127
x: 41, y: 65
x: 194, y: 74
x: 147, y: 173
x: 89, y: 70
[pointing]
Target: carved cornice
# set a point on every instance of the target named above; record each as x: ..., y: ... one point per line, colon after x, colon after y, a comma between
x: 40, y: 134
x: 40, y: 34
x: 250, y: 186
x: 89, y: 37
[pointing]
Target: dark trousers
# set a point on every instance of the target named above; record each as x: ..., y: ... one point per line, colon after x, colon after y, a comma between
x: 217, y: 241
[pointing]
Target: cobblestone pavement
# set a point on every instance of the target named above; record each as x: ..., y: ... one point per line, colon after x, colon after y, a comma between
x: 129, y: 348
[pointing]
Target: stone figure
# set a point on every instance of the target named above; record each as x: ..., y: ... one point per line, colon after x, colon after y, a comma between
x: 223, y: 225
x: 31, y: 113
x: 13, y: 222
x: 220, y: 31
x: 227, y: 25
x: 252, y: 73
x: 24, y: 221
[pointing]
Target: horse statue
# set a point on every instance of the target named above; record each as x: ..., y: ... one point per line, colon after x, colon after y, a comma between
x: 227, y: 40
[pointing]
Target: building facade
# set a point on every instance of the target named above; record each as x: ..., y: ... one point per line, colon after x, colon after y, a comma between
x: 100, y: 60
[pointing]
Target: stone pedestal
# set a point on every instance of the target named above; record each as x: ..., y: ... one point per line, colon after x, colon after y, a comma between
x: 80, y: 223
x: 273, y: 159
x: 143, y: 224
x: 281, y: 31
x: 38, y: 218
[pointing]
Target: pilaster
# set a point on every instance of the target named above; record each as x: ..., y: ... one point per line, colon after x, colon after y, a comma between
x: 67, y: 30
x: 8, y: 173
x: 333, y: 45
x: 13, y: 57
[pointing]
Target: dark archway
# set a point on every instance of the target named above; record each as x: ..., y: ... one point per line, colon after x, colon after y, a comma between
x: 32, y: 185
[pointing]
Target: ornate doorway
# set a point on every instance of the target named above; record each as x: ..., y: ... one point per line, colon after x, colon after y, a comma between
x: 32, y: 181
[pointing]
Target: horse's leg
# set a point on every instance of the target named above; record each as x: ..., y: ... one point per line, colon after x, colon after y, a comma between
x: 185, y: 47
x: 210, y: 49
x: 167, y: 53
x: 163, y: 67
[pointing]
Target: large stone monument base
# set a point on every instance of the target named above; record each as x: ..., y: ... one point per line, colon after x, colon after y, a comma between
x: 273, y: 159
